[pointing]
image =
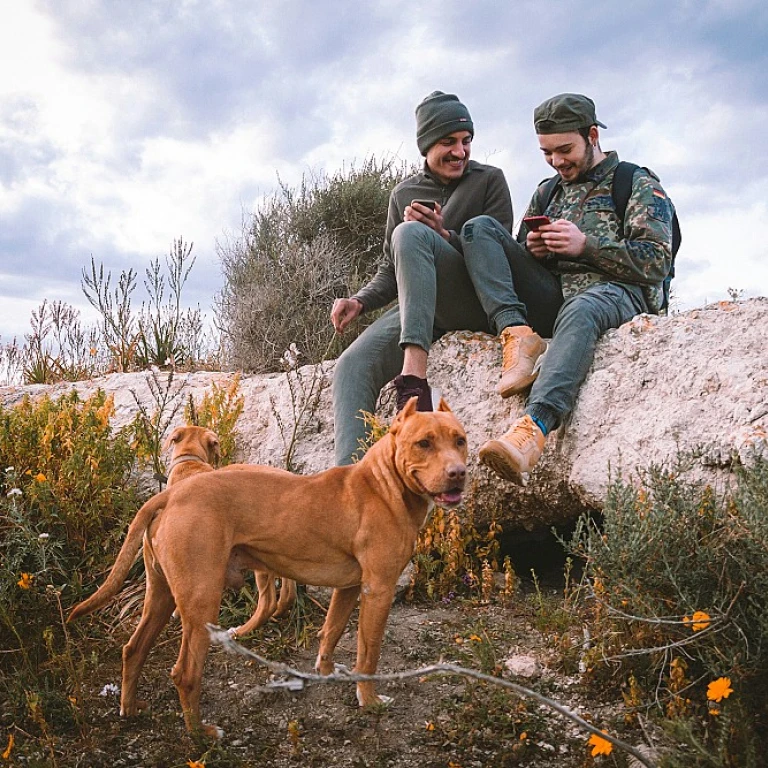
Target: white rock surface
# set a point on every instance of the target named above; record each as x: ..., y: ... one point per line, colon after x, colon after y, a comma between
x: 692, y: 382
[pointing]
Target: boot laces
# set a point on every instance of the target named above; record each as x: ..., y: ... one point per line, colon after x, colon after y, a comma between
x: 521, y: 433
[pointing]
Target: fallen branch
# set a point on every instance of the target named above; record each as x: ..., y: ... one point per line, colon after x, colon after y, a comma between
x: 297, y: 680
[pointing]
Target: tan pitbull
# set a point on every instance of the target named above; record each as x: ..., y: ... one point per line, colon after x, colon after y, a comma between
x: 352, y: 528
x: 195, y: 450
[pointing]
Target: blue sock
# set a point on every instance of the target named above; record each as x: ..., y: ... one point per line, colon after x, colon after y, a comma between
x: 540, y: 425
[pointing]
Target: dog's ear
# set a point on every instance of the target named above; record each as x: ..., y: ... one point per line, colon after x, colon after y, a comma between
x: 173, y: 437
x: 443, y: 406
x: 408, y: 409
x: 214, y: 447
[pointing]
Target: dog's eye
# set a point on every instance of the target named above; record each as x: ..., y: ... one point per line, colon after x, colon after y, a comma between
x: 424, y: 444
x: 461, y: 441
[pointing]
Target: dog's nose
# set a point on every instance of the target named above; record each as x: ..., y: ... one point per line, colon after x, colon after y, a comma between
x: 457, y: 472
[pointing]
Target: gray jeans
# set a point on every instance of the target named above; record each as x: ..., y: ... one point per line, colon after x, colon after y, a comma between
x: 493, y: 284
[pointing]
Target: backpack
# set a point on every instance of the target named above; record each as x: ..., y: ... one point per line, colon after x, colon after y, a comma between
x: 620, y: 192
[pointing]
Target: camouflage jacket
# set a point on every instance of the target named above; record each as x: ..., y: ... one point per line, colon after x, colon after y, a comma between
x: 640, y: 255
x: 481, y: 190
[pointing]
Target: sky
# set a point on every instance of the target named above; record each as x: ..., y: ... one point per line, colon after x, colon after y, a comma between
x: 127, y: 125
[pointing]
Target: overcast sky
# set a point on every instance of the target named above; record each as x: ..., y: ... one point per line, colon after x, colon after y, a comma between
x: 125, y: 125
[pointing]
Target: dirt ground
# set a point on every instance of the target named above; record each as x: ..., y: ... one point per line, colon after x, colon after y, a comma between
x: 436, y: 722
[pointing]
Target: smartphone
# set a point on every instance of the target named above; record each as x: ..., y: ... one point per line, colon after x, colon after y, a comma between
x: 426, y: 203
x: 534, y: 222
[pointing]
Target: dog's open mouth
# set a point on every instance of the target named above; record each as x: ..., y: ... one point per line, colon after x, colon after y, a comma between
x: 449, y: 498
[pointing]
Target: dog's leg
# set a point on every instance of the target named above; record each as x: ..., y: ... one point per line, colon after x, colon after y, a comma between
x: 340, y: 609
x: 375, y: 604
x: 265, y: 581
x: 287, y: 597
x: 158, y: 607
x: 196, y: 610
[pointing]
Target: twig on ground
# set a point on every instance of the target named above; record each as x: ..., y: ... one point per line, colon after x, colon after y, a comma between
x: 297, y: 680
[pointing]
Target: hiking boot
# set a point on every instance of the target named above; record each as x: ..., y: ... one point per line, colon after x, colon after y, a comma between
x: 407, y: 387
x: 516, y: 453
x: 522, y: 351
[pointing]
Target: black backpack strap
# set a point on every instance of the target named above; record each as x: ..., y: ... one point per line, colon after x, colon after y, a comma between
x: 547, y: 189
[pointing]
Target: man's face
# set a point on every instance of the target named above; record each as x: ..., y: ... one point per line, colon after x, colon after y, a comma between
x: 570, y: 154
x: 449, y: 157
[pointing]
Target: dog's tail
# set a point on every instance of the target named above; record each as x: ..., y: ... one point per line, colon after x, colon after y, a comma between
x: 125, y: 558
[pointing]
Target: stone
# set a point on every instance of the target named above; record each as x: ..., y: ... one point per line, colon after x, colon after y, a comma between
x: 694, y: 382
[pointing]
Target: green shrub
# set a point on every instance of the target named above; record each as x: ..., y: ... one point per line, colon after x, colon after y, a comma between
x: 680, y: 577
x: 64, y: 507
x: 301, y: 249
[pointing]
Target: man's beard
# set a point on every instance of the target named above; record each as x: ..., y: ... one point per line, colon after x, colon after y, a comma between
x: 589, y: 160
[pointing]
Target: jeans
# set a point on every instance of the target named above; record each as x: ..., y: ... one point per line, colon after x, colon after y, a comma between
x: 582, y: 320
x: 439, y: 289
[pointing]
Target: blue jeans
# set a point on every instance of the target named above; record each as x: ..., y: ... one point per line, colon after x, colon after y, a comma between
x: 582, y: 320
x: 439, y: 289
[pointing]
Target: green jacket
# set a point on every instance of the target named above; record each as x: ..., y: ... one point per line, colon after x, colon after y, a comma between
x: 481, y: 190
x: 640, y: 255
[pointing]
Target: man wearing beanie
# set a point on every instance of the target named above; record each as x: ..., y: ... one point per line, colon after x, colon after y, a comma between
x: 611, y: 268
x: 425, y: 267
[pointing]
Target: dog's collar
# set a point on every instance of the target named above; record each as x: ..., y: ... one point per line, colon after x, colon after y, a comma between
x: 163, y: 479
x: 184, y: 458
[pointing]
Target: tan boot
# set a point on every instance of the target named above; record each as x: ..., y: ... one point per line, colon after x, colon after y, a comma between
x: 522, y: 349
x: 517, y: 452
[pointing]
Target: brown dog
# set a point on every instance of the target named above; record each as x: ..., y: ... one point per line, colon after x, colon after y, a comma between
x: 196, y: 450
x: 353, y: 528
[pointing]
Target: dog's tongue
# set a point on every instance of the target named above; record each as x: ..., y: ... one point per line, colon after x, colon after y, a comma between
x: 449, y: 497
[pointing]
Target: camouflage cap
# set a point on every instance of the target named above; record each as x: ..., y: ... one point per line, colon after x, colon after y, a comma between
x: 564, y: 113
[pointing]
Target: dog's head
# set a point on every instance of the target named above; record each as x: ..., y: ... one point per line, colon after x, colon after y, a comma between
x: 194, y: 441
x: 431, y: 452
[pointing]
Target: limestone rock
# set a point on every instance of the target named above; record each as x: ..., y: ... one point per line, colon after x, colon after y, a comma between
x: 692, y: 382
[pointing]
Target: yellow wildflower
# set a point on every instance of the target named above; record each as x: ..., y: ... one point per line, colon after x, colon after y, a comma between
x: 195, y: 764
x: 600, y: 746
x: 476, y: 639
x: 40, y: 477
x: 9, y: 748
x: 719, y: 689
x: 523, y: 736
x: 700, y: 620
x: 430, y: 726
x: 25, y: 582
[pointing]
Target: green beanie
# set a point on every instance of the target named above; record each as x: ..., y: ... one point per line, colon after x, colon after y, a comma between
x: 439, y: 115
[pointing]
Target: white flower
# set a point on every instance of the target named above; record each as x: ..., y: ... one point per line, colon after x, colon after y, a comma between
x: 109, y: 689
x: 44, y: 536
x: 10, y: 469
x: 14, y: 492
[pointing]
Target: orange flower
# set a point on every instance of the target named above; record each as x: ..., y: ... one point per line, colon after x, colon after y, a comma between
x: 25, y: 582
x: 9, y: 748
x: 195, y: 764
x: 600, y: 746
x: 40, y: 477
x: 719, y: 689
x: 700, y: 620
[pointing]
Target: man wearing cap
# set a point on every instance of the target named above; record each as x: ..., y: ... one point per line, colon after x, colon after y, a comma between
x: 609, y: 270
x: 425, y: 267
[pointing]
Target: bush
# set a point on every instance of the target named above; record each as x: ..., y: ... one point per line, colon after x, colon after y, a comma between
x: 681, y: 586
x: 300, y: 250
x: 64, y: 507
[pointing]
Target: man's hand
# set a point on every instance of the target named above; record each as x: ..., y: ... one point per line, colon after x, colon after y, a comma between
x: 561, y: 238
x: 433, y: 219
x: 344, y: 311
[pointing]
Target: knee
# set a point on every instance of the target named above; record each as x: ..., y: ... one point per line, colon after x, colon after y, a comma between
x: 407, y: 233
x: 477, y: 226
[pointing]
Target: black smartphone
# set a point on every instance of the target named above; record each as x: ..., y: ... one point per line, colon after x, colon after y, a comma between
x: 426, y: 203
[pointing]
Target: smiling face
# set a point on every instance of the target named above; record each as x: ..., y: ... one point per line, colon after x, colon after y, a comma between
x: 570, y: 154
x: 448, y: 158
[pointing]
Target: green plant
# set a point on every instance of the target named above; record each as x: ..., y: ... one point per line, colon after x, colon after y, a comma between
x: 64, y: 505
x: 300, y: 250
x: 219, y: 411
x: 681, y: 599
